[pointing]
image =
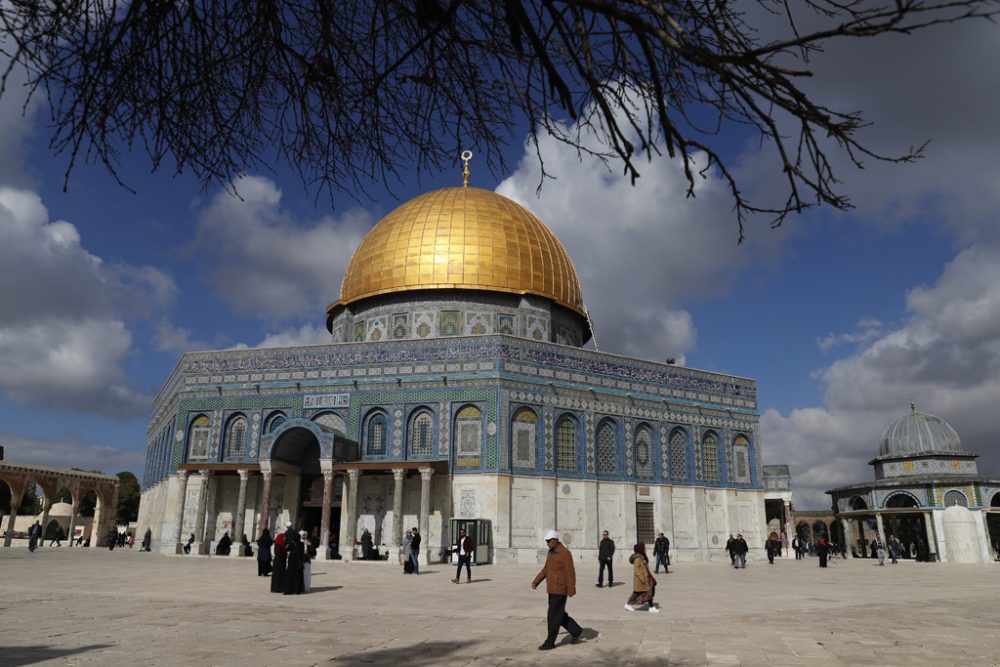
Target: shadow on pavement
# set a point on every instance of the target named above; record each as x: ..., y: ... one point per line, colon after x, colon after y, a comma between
x: 16, y: 656
x: 426, y: 653
x: 324, y: 589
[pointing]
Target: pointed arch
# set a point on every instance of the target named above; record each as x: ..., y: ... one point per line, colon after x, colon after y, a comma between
x: 236, y: 436
x: 607, y: 447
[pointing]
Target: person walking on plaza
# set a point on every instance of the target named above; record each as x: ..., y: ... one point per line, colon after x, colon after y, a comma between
x: 280, y: 564
x: 559, y: 576
x: 772, y: 549
x: 147, y: 540
x: 740, y: 550
x: 113, y: 540
x: 264, y: 553
x: 58, y: 537
x: 643, y: 583
x: 293, y: 567
x: 822, y: 550
x: 606, y: 558
x: 661, y: 549
x: 415, y: 551
x: 731, y: 548
x: 893, y: 545
x: 463, y: 547
x: 879, y: 547
x: 797, y: 547
x: 308, y: 553
x: 34, y: 534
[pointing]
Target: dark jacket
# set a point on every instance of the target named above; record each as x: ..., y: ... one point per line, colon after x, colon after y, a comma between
x: 415, y: 543
x: 661, y: 545
x: 606, y: 549
x: 558, y: 573
x: 740, y: 547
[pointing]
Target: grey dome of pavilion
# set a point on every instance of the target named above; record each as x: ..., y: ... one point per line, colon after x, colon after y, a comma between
x: 919, y: 433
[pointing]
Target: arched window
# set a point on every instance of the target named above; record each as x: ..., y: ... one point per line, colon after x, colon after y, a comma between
x: 469, y: 431
x: 375, y: 435
x: 236, y: 436
x: 741, y: 459
x: 954, y: 497
x: 898, y: 500
x: 644, y: 452
x: 678, y: 454
x: 710, y: 457
x: 421, y: 434
x: 566, y: 444
x: 523, y: 436
x: 858, y: 503
x: 198, y: 436
x: 607, y: 446
x: 331, y: 421
x: 274, y: 421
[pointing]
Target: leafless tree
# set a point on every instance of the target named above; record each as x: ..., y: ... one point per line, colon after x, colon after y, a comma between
x: 351, y: 92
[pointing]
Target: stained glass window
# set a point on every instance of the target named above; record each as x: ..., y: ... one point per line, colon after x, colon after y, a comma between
x: 710, y: 457
x: 236, y: 436
x: 644, y: 452
x: 566, y: 444
x: 606, y: 446
x: 469, y: 430
x: 678, y: 454
x: 523, y: 437
x: 375, y: 441
x: 420, y: 434
x: 198, y: 442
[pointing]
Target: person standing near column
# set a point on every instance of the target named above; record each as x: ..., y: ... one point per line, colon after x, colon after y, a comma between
x: 415, y: 550
x: 606, y: 556
x: 463, y: 548
x: 560, y: 583
x: 660, y: 549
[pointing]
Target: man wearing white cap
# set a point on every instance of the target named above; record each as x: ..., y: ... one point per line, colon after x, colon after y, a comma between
x: 560, y: 582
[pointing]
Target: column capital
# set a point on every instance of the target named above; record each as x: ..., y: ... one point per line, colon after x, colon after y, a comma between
x: 397, y: 474
x: 244, y: 474
x: 326, y: 466
x: 205, y: 472
x: 184, y: 474
x: 328, y: 475
x: 267, y: 475
x: 353, y: 473
x: 425, y: 473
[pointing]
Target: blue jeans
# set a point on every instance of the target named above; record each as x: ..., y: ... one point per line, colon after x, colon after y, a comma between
x: 415, y: 557
x: 661, y: 559
x: 741, y: 561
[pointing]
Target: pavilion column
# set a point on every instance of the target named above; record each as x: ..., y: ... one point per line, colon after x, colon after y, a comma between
x: 425, y: 507
x: 265, y: 503
x: 74, y: 490
x: 16, y: 495
x: 352, y: 510
x: 181, y: 498
x: 397, y: 506
x: 240, y: 514
x: 199, y: 521
x: 211, y: 519
x: 931, y: 542
x: 881, y: 526
x: 46, y: 504
x: 99, y: 518
x: 785, y: 523
x: 848, y: 537
x: 324, y: 521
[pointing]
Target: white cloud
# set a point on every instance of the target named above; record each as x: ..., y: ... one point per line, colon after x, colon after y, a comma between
x: 643, y: 251
x: 16, y: 124
x: 63, y: 337
x: 267, y: 264
x: 172, y: 338
x: 866, y: 330
x: 945, y: 357
x: 307, y: 334
x: 69, y: 452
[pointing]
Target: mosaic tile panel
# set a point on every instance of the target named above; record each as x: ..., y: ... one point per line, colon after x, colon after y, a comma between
x: 449, y: 323
x: 607, y: 444
x: 628, y: 449
x: 401, y: 325
x: 644, y: 467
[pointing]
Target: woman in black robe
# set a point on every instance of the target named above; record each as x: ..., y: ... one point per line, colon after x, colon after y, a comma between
x: 264, y: 554
x: 293, y: 573
x: 224, y: 546
x: 278, y: 573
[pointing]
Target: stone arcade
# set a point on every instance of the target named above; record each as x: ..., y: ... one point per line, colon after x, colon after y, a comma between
x: 455, y: 386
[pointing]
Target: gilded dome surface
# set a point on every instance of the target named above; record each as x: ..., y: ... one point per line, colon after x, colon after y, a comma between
x: 919, y: 433
x: 461, y: 238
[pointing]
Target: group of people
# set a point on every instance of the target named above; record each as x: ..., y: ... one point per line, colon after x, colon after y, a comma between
x: 225, y: 546
x: 737, y: 548
x: 287, y: 559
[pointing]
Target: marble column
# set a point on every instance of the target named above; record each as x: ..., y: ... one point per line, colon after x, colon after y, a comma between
x: 181, y: 499
x: 324, y: 521
x: 100, y: 516
x: 199, y: 521
x: 932, y: 547
x: 848, y: 537
x: 425, y: 508
x: 211, y: 518
x: 16, y: 495
x: 352, y: 511
x: 265, y: 503
x: 46, y: 505
x: 397, y: 506
x: 74, y: 490
x: 240, y: 514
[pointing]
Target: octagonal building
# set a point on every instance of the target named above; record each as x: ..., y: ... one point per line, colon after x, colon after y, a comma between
x: 455, y: 392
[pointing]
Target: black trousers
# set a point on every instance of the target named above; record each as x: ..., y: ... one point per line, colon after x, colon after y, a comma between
x: 559, y: 618
x: 464, y: 560
x: 611, y: 572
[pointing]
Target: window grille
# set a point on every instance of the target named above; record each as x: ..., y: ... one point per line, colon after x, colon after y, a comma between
x: 566, y: 444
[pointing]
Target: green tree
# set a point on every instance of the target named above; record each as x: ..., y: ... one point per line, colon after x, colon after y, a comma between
x: 30, y: 504
x: 351, y: 92
x: 128, y: 497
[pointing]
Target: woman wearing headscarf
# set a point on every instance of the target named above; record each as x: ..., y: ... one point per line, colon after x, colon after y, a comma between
x: 643, y: 583
x: 280, y: 560
x: 308, y: 553
x: 264, y: 553
x: 293, y: 569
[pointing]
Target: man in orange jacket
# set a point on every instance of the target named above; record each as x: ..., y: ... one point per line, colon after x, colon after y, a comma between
x: 560, y: 582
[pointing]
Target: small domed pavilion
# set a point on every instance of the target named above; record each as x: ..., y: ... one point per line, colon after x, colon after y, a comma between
x: 927, y: 492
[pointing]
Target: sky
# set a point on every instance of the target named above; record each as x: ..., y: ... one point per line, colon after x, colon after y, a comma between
x: 842, y: 318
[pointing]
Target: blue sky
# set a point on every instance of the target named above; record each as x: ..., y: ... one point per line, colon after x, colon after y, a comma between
x: 842, y: 318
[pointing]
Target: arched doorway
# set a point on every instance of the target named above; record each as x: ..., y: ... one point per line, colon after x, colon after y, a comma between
x: 908, y: 527
x: 295, y: 457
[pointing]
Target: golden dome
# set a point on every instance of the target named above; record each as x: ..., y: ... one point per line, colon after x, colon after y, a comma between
x: 461, y: 238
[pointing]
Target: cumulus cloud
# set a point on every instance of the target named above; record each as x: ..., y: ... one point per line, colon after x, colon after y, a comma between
x: 16, y: 124
x: 945, y: 357
x: 866, y: 330
x: 641, y: 252
x: 307, y: 334
x: 63, y: 337
x: 265, y: 262
x: 70, y: 451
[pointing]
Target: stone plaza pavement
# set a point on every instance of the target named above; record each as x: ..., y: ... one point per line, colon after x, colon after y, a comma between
x: 75, y: 606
